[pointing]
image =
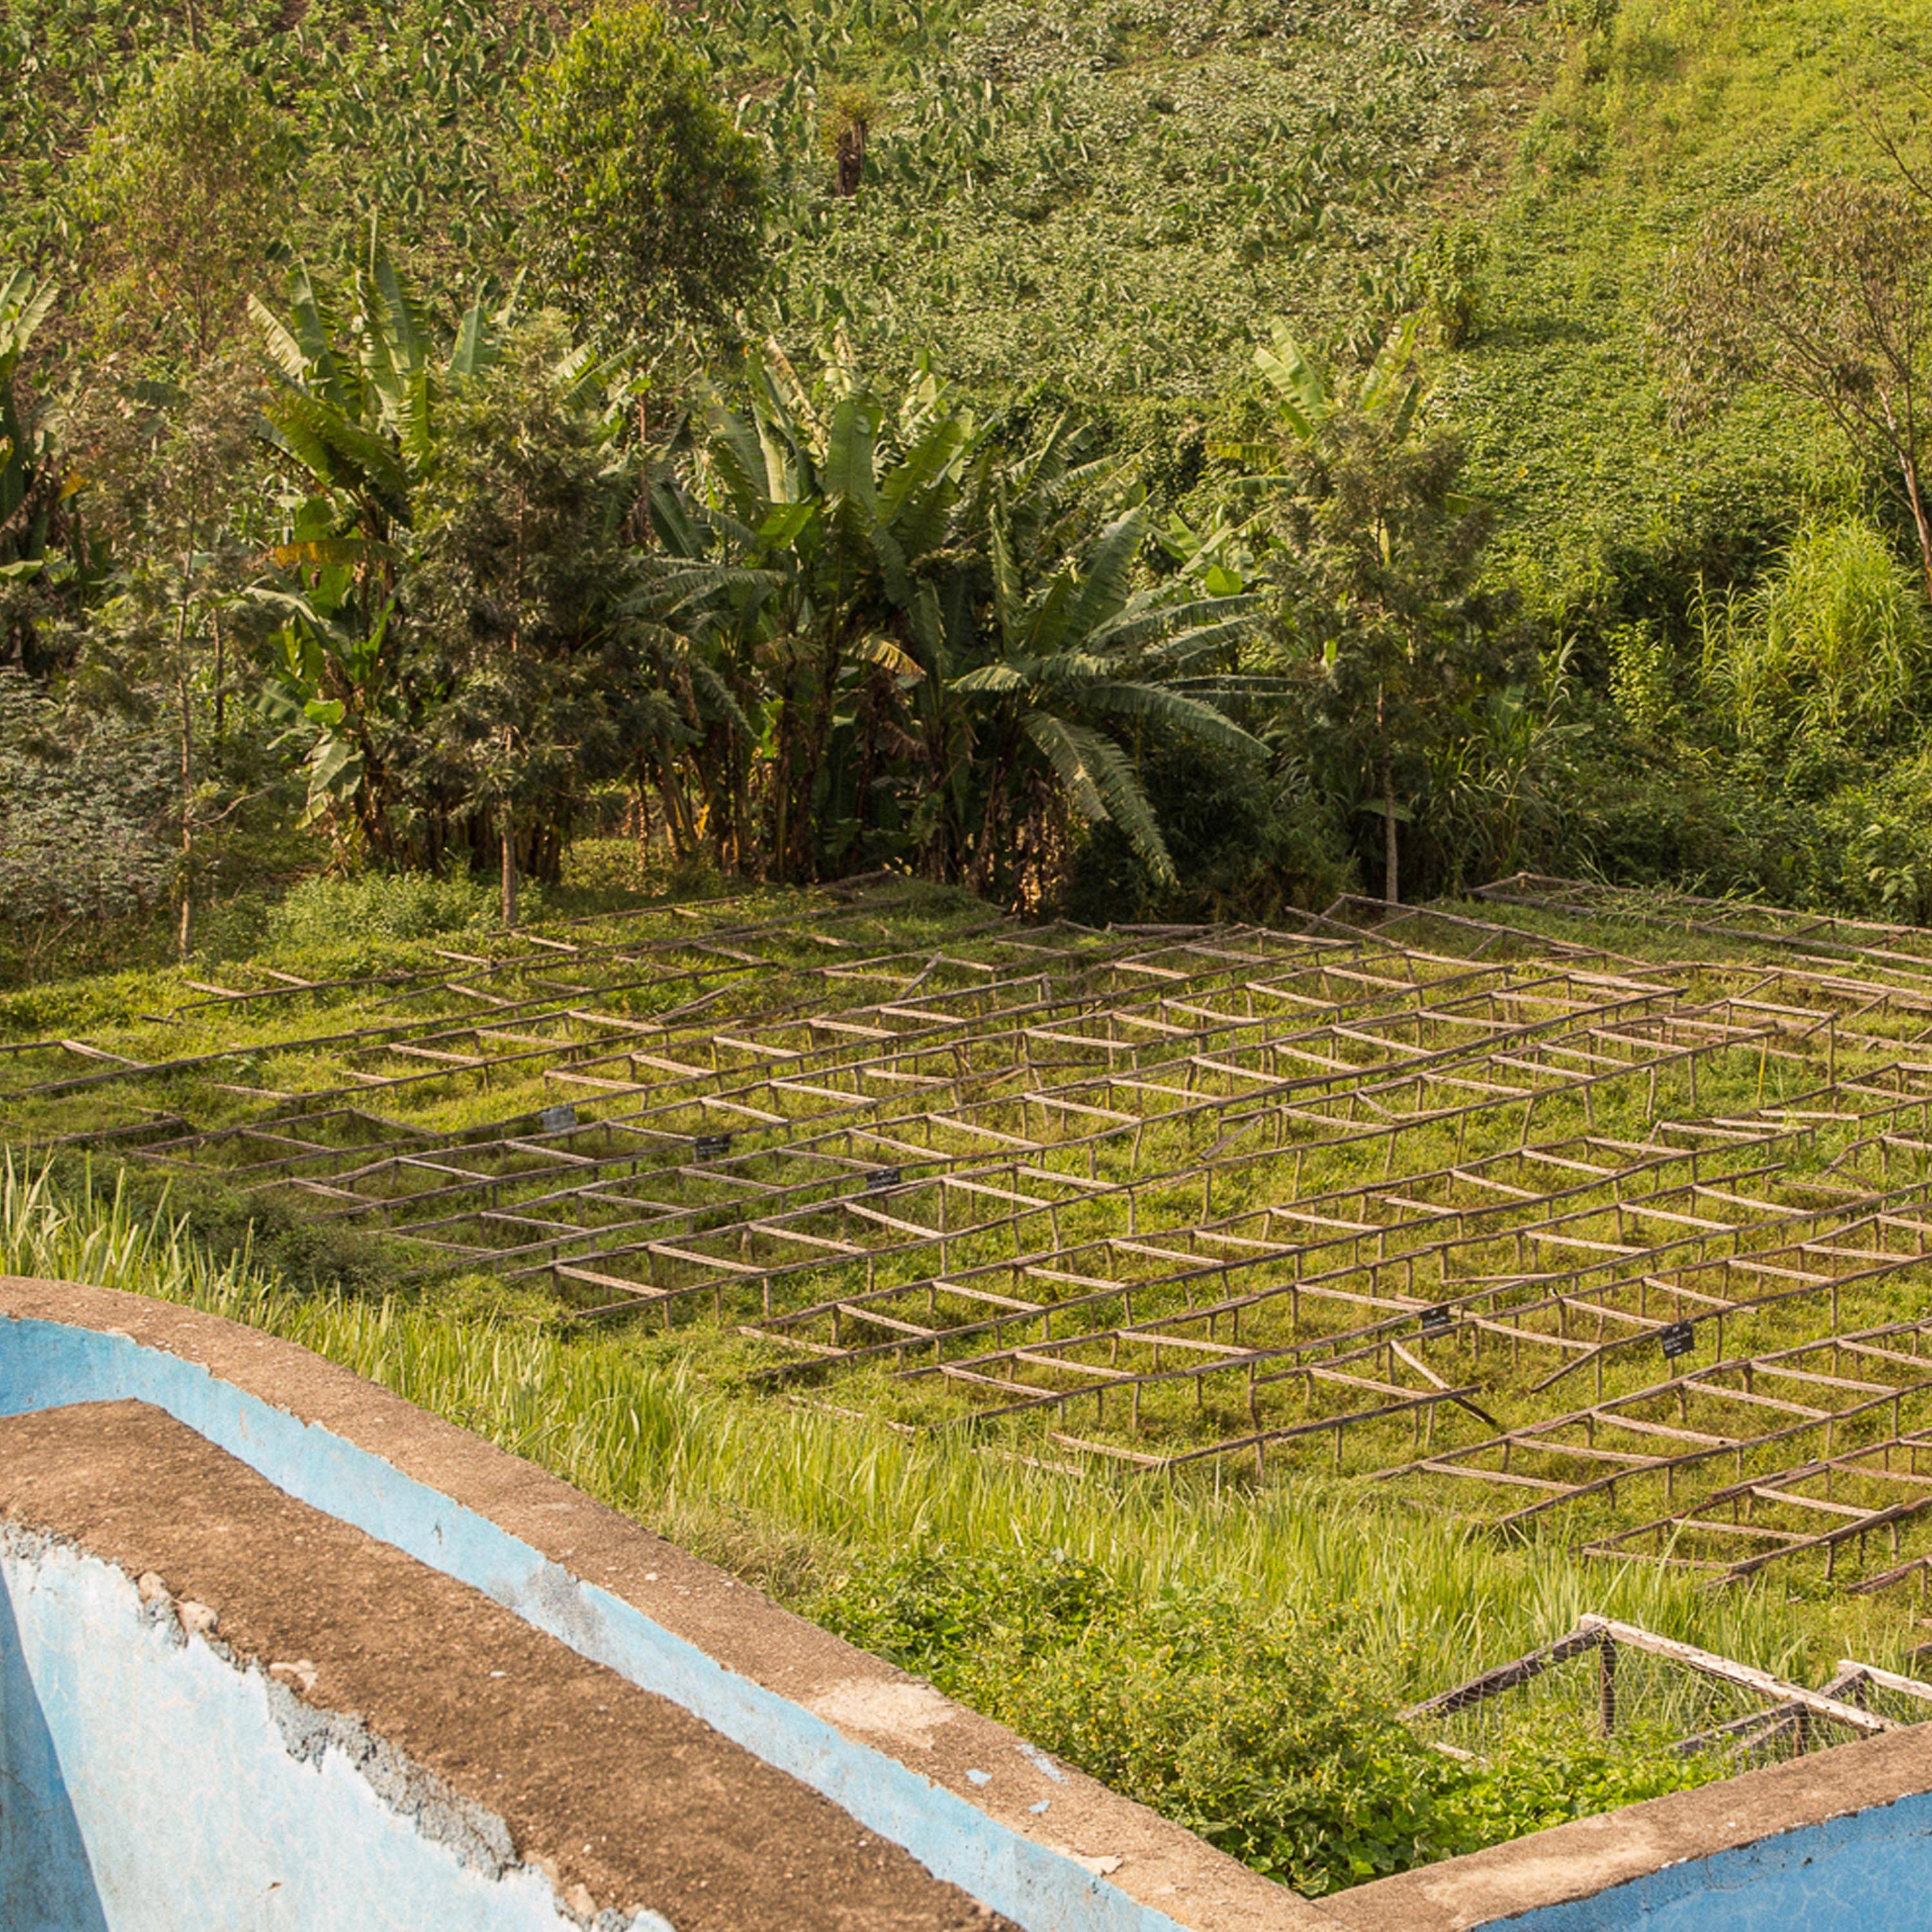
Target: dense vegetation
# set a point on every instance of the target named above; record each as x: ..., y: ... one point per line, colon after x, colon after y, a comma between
x: 1106, y: 456
x: 1137, y: 460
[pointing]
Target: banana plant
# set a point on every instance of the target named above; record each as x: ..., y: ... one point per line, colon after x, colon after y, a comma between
x: 328, y: 682
x: 355, y: 408
x: 1306, y: 399
x: 43, y: 552
x: 1080, y: 668
x: 805, y: 565
x: 29, y: 491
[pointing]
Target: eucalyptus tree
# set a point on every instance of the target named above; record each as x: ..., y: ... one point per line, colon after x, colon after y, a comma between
x: 368, y: 673
x: 183, y: 190
x: 519, y: 656
x: 162, y: 469
x: 1376, y: 550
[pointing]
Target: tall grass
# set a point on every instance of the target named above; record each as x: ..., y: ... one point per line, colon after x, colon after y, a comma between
x: 1833, y: 638
x: 795, y: 1496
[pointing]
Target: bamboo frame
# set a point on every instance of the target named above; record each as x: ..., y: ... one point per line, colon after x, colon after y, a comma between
x: 1060, y: 1173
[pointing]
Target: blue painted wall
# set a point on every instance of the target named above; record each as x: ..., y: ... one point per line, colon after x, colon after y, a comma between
x: 148, y: 1784
x: 47, y: 1878
x: 1869, y: 1872
x: 44, y: 1365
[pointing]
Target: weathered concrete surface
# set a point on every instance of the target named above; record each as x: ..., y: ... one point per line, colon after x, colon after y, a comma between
x: 149, y: 1783
x: 878, y: 1742
x: 493, y: 1739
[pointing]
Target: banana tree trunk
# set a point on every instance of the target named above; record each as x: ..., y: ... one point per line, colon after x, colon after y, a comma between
x: 783, y: 770
x: 986, y: 848
x: 800, y: 861
x: 680, y: 822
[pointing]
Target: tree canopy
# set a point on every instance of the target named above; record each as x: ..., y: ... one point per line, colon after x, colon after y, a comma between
x: 643, y: 204
x: 185, y: 188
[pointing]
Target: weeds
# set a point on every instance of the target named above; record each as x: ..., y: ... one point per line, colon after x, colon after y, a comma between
x: 1234, y: 1660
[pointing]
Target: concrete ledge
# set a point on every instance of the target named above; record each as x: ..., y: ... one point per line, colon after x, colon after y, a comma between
x: 883, y: 1744
x: 468, y: 1732
x: 122, y: 1786
x: 1677, y: 1837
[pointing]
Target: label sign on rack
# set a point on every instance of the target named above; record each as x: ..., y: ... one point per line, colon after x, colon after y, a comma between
x: 1438, y: 1321
x: 883, y: 1176
x: 712, y: 1147
x: 1679, y: 1338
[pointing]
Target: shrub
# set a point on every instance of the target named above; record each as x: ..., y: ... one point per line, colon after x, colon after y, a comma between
x: 1274, y: 1743
x: 86, y: 803
x: 1832, y: 641
x: 1550, y: 1774
x: 1642, y: 683
x: 325, y: 913
x: 1881, y: 834
x: 1276, y: 1738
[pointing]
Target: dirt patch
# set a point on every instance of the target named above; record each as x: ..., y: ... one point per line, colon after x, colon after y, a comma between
x: 614, y: 1789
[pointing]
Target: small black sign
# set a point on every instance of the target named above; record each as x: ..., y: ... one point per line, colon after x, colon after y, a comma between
x: 1679, y: 1338
x: 1439, y: 1320
x: 558, y: 1119
x: 882, y: 1177
x: 712, y: 1147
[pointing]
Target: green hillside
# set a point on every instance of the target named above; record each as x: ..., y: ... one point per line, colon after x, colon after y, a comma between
x: 1674, y: 110
x: 1107, y: 201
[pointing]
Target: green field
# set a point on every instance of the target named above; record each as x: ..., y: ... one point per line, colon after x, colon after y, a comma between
x: 975, y: 1285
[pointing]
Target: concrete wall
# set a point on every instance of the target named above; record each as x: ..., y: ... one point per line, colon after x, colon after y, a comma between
x: 149, y: 1784
x: 1869, y: 1872
x: 45, y: 1364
